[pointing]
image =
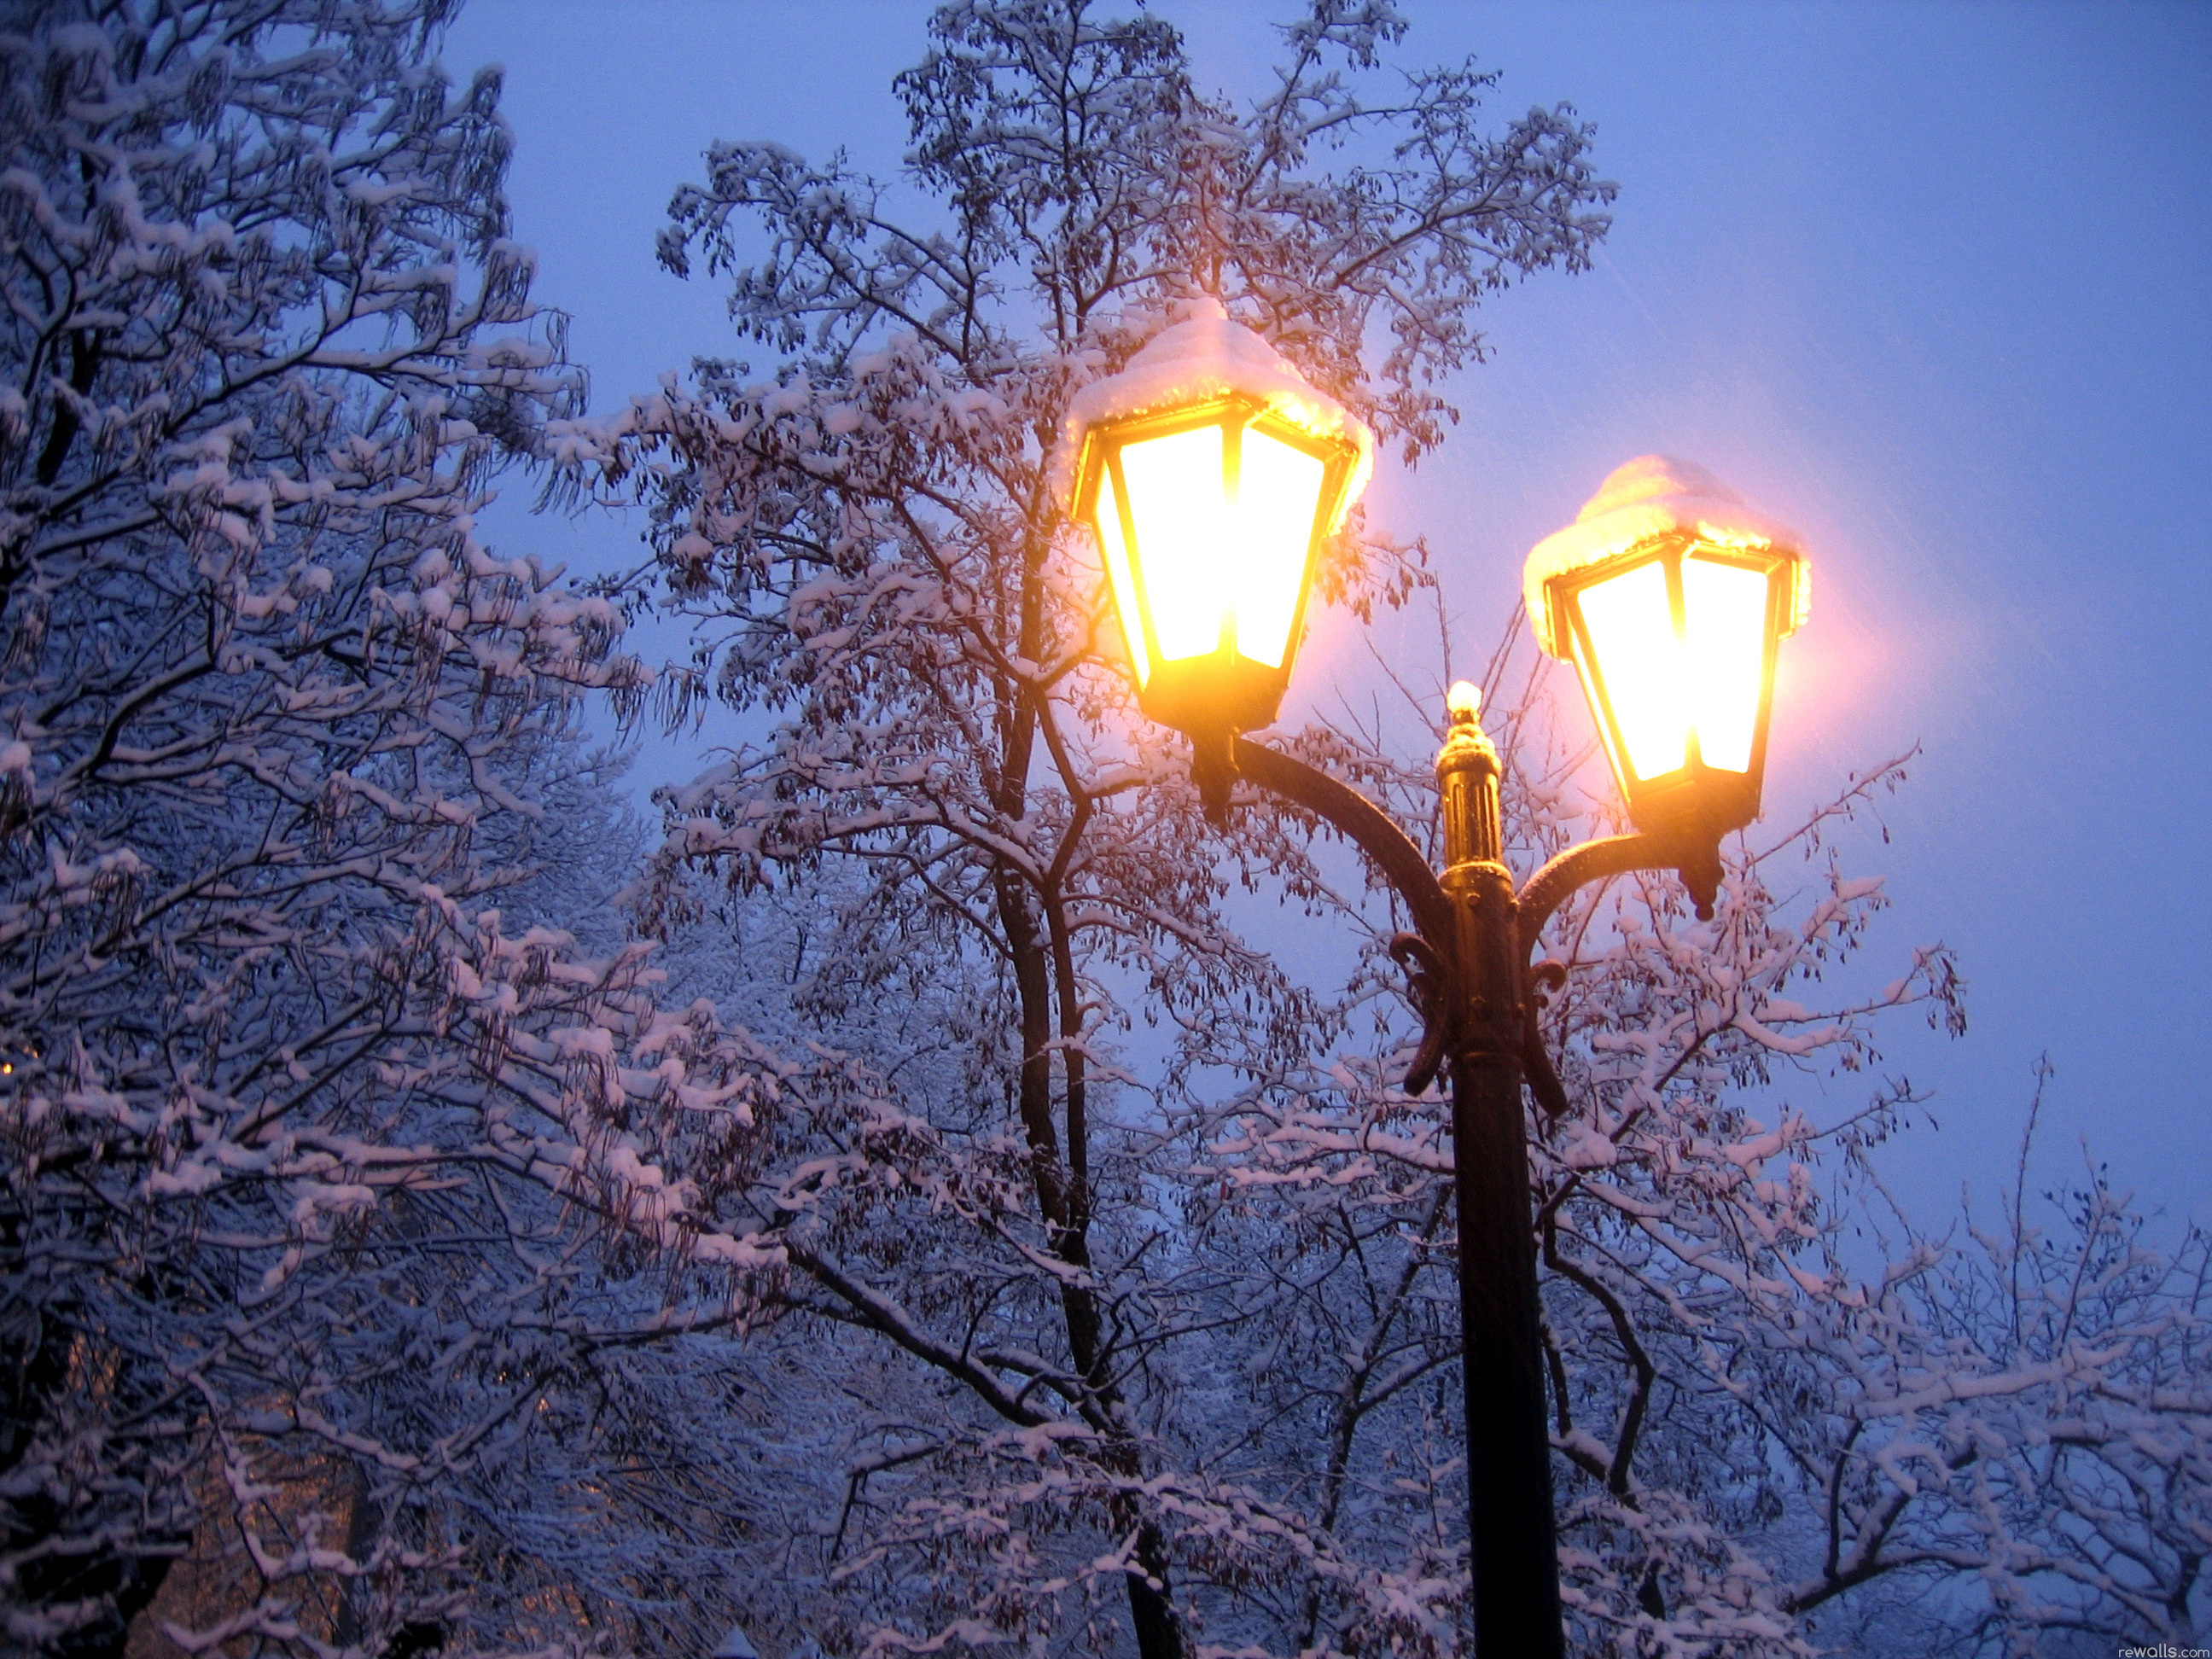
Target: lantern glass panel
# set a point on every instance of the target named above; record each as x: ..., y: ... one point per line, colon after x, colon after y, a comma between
x: 1631, y: 625
x: 1177, y: 507
x: 1724, y: 609
x: 1115, y: 551
x: 1278, y: 490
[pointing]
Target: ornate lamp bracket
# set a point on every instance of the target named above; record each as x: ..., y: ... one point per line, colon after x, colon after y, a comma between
x: 1472, y: 996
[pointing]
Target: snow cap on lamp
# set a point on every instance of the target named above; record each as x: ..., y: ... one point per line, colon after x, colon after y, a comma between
x: 1204, y: 356
x: 1649, y: 496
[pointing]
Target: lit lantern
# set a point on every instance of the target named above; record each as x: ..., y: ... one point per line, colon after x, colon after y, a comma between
x: 1669, y: 597
x: 1211, y: 474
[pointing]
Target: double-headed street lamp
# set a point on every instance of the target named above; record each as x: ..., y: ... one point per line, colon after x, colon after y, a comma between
x: 1213, y: 474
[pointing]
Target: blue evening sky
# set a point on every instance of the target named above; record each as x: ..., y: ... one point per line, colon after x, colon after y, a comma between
x: 1928, y: 280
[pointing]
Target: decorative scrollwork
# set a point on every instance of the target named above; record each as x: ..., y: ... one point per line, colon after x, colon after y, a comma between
x: 1536, y: 1057
x: 1429, y: 981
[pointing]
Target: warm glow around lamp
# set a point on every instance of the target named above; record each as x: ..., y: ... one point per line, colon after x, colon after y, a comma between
x: 1211, y: 474
x: 1671, y: 597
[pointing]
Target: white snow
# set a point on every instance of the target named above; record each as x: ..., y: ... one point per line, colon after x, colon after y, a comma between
x: 1656, y: 495
x: 1204, y: 356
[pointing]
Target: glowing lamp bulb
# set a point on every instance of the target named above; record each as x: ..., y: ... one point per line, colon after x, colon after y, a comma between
x: 1463, y: 702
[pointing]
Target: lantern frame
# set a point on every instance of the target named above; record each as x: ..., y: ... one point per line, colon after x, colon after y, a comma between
x: 1224, y: 690
x: 1695, y: 797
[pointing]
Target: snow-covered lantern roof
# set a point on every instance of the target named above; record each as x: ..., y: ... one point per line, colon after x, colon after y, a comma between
x: 1671, y: 597
x: 735, y: 1644
x: 1211, y: 472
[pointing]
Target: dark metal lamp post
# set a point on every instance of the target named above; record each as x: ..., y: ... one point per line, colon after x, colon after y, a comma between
x: 1213, y: 474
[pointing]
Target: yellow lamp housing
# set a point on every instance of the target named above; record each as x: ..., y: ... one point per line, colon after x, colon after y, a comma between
x: 1670, y: 597
x: 1212, y: 473
x: 1210, y: 521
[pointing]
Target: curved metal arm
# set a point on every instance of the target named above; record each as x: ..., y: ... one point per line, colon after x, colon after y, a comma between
x: 1361, y: 822
x: 1593, y: 861
x: 1698, y: 861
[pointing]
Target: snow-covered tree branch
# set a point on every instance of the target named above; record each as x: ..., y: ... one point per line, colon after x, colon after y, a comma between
x: 292, y: 789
